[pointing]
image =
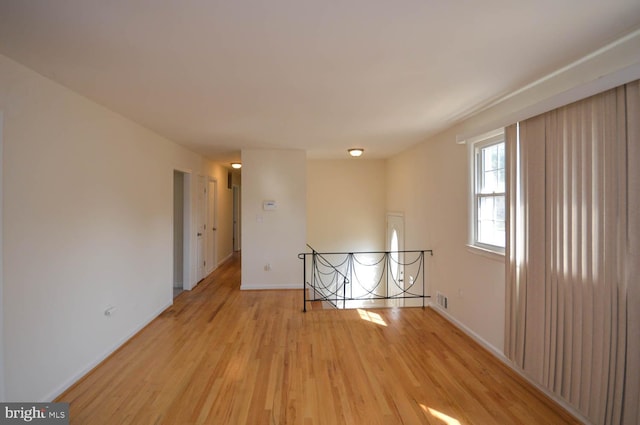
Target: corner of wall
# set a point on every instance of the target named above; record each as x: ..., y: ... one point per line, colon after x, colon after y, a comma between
x: 273, y: 216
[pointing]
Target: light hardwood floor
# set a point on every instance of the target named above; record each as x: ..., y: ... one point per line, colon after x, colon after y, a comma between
x: 222, y: 356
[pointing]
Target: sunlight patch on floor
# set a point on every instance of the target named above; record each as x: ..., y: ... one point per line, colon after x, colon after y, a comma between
x: 437, y: 414
x: 372, y: 317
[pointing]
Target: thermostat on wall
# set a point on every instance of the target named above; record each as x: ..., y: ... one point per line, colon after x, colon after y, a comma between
x: 269, y: 205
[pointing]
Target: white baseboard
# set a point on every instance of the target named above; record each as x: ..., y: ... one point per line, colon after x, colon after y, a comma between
x: 504, y: 359
x: 76, y: 377
x: 477, y: 338
x: 215, y: 267
x: 224, y: 260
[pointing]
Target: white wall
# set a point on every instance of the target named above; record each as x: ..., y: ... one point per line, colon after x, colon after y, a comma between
x: 273, y: 237
x: 87, y: 225
x: 346, y: 204
x: 430, y: 185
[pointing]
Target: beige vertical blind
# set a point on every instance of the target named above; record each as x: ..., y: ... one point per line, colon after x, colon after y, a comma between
x: 573, y: 269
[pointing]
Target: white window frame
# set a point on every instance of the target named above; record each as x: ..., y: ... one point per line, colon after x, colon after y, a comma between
x: 474, y: 145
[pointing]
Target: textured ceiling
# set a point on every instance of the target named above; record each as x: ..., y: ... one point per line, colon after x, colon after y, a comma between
x: 219, y: 76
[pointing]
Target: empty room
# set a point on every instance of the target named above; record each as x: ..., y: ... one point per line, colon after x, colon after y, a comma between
x: 301, y: 212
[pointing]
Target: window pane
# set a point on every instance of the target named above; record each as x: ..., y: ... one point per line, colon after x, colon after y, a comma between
x: 490, y: 158
x: 501, y: 181
x: 499, y: 212
x: 501, y: 159
x: 491, y: 170
x: 491, y: 223
x: 489, y: 182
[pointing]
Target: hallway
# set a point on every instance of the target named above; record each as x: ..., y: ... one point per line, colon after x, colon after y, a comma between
x: 224, y: 356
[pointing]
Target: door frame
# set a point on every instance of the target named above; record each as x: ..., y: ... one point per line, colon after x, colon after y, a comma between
x: 211, y: 238
x: 188, y: 264
x: 201, y: 213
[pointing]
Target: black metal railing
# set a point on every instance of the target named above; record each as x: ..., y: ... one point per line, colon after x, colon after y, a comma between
x: 349, y: 279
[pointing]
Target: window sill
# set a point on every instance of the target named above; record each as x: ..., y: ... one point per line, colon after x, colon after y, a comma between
x: 492, y: 255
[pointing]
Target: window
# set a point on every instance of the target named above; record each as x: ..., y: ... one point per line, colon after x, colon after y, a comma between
x: 488, y: 193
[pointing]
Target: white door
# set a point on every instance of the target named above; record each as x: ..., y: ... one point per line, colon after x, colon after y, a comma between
x: 201, y: 224
x: 211, y: 225
x: 395, y: 244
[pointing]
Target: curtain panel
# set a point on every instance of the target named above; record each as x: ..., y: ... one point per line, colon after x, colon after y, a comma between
x: 573, y: 253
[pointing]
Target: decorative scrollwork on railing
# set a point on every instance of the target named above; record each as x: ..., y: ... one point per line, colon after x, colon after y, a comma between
x: 346, y: 279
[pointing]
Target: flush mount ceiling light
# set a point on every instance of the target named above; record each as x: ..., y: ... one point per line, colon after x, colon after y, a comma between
x: 236, y: 165
x: 356, y: 152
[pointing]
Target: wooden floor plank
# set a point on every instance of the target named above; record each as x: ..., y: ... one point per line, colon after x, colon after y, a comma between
x: 224, y: 356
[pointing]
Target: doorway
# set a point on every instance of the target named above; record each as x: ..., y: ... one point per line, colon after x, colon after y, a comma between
x: 395, y: 246
x: 181, y: 231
